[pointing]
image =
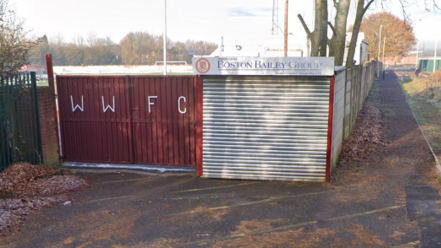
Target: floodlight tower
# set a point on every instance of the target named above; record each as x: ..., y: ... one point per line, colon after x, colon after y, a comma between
x: 275, y: 25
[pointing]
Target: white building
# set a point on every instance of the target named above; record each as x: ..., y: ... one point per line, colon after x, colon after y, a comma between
x: 298, y: 46
x: 361, y: 52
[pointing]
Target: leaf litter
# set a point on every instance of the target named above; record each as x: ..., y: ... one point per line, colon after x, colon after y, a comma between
x: 25, y: 188
x: 367, y: 136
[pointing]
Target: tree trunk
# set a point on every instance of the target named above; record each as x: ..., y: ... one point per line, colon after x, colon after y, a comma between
x: 319, y: 38
x: 315, y: 35
x: 338, y: 39
x: 355, y: 30
x: 361, y: 10
x: 323, y: 11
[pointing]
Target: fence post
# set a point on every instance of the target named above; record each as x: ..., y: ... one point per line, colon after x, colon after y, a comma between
x: 3, y: 142
x: 351, y: 102
x: 39, y: 145
x: 10, y: 137
x: 354, y: 97
x: 357, y: 75
x: 50, y: 78
x: 344, y: 104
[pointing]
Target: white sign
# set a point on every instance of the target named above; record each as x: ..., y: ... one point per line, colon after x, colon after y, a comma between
x: 297, y: 66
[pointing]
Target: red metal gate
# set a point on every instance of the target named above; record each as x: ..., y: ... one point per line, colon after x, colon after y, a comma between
x: 128, y: 119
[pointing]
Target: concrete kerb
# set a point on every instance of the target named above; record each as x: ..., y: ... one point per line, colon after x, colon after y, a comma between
x: 136, y: 172
x: 437, y: 164
x: 163, y: 171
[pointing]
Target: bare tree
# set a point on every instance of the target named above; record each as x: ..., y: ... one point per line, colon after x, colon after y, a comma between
x: 38, y: 53
x: 362, y: 7
x: 338, y: 40
x: 318, y: 37
x: 141, y: 48
x: 14, y: 45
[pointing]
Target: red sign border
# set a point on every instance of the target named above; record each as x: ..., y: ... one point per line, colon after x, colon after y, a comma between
x: 197, y: 63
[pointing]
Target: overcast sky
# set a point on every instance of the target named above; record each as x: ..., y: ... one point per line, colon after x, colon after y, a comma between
x: 238, y: 21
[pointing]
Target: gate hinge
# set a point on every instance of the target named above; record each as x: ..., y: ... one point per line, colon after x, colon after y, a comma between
x: 55, y: 96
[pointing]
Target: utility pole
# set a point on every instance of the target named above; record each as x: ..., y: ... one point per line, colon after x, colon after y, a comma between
x: 286, y: 28
x: 418, y: 44
x: 434, y: 57
x: 275, y: 26
x: 164, y: 37
x: 378, y: 57
x: 384, y: 44
x: 416, y: 60
x: 221, y: 46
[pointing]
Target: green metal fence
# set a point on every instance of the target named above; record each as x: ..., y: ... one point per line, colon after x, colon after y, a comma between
x: 20, y: 132
x: 427, y: 65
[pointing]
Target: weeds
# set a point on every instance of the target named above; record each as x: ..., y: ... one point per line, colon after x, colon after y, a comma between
x: 424, y: 97
x: 427, y: 87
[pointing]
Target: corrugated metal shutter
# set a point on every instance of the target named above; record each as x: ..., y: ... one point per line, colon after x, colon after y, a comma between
x: 271, y: 128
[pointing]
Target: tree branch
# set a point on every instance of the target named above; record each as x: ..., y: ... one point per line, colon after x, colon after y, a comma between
x: 308, y: 33
x: 332, y: 28
x: 405, y: 16
x: 367, y: 6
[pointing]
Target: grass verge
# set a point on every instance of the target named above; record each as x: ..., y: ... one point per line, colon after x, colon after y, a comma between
x: 427, y: 109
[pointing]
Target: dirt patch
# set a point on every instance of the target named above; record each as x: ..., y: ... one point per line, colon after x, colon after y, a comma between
x: 68, y: 240
x: 218, y: 215
x: 293, y: 238
x: 215, y: 214
x: 115, y: 227
x: 364, y: 238
x: 397, y: 235
x: 25, y: 188
x: 160, y: 243
x: 250, y: 226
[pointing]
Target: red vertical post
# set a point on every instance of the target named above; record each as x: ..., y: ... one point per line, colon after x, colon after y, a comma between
x: 330, y: 120
x: 50, y: 78
x: 199, y: 98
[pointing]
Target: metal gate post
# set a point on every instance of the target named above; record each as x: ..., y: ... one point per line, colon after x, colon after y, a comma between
x: 199, y: 108
x: 330, y: 122
x: 3, y: 142
x: 9, y: 106
x: 130, y: 125
x: 25, y: 129
x: 50, y: 78
x: 39, y: 145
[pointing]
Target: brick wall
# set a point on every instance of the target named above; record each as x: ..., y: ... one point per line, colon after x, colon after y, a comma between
x: 48, y: 125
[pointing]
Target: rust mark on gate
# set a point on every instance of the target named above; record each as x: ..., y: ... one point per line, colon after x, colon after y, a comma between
x: 128, y: 119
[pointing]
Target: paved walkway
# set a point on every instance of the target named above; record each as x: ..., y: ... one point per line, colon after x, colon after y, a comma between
x: 391, y: 199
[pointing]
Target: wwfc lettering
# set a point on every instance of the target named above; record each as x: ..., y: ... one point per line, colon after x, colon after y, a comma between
x: 150, y: 102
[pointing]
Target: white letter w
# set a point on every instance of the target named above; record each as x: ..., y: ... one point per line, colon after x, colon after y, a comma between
x: 81, y: 108
x: 112, y: 108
